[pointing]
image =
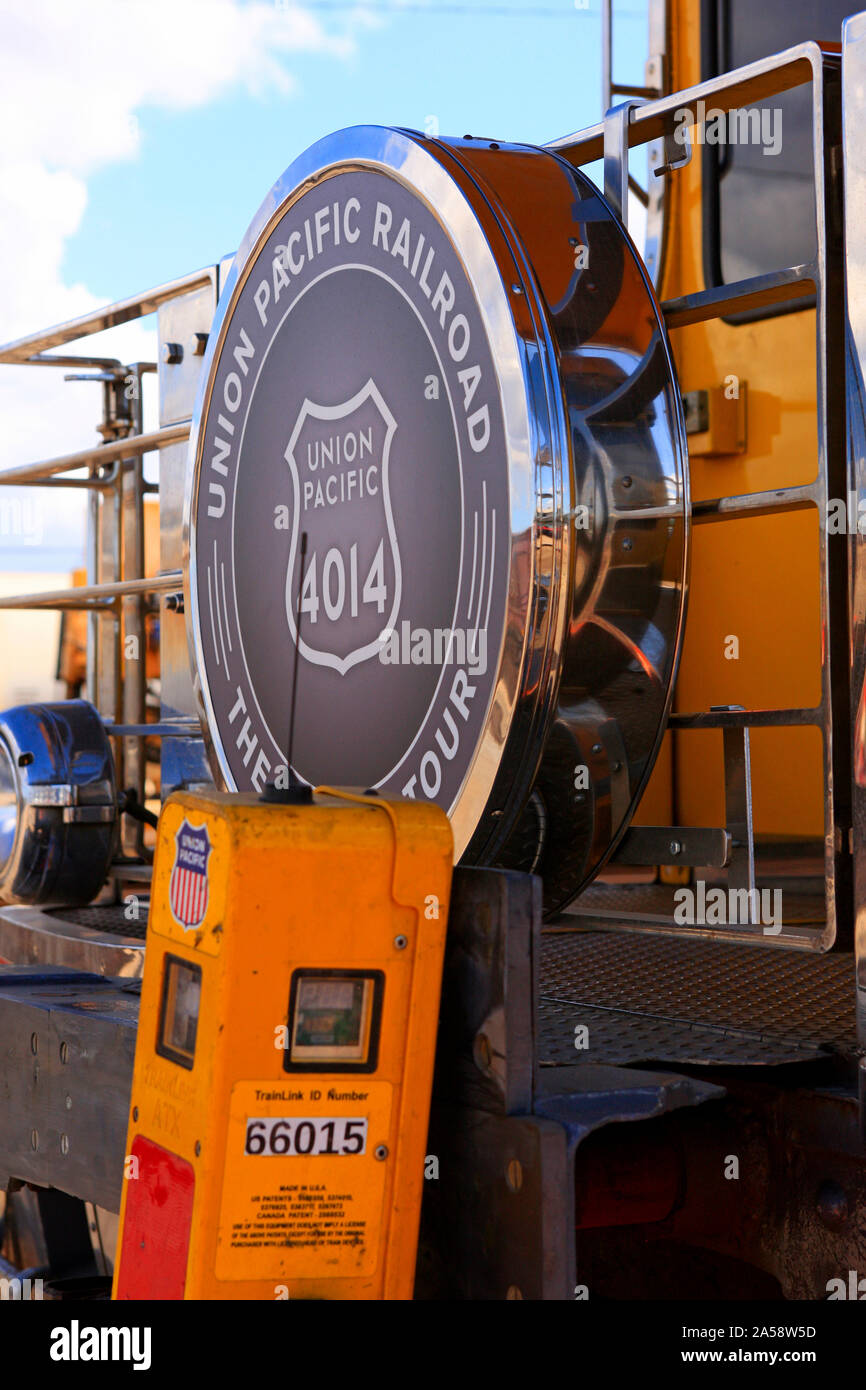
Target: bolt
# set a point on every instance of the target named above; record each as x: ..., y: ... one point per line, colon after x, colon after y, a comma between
x: 64, y: 1143
x: 68, y: 1102
x: 198, y: 1148
x: 626, y: 482
x: 34, y: 1139
x: 172, y: 354
x: 627, y: 542
x: 596, y: 748
x: 135, y: 1112
x: 676, y: 847
x: 381, y: 1152
x: 34, y: 1044
x: 64, y: 1052
x: 199, y: 343
x: 514, y: 1175
x: 401, y: 942
x: 517, y: 289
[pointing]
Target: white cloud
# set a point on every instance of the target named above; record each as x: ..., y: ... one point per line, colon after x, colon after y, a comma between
x: 72, y: 76
x: 74, y: 79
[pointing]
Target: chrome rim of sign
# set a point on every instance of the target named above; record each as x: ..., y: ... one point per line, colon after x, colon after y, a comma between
x: 442, y: 363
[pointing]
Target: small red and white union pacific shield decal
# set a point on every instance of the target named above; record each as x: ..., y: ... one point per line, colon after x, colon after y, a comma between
x: 188, y: 888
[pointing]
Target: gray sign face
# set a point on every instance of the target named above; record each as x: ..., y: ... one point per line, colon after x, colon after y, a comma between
x: 353, y: 398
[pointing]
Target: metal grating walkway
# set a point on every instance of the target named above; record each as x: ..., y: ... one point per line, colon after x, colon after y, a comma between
x: 110, y: 919
x: 659, y: 999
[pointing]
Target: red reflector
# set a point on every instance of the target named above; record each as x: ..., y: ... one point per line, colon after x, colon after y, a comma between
x: 156, y: 1225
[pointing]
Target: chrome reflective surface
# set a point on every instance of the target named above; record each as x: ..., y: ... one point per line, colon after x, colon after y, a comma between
x: 8, y: 806
x: 58, y: 800
x: 611, y: 530
x: 594, y: 457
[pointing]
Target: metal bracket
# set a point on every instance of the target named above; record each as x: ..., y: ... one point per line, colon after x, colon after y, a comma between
x: 686, y: 846
x: 683, y: 845
x: 498, y: 1220
x: 738, y: 809
x: 616, y: 123
x: 70, y: 1039
x: 676, y: 151
x: 487, y: 1026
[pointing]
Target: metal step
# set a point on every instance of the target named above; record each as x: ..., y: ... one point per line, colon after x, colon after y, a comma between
x: 649, y: 999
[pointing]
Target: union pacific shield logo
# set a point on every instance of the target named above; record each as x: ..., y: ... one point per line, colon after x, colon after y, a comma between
x: 350, y: 591
x: 188, y: 889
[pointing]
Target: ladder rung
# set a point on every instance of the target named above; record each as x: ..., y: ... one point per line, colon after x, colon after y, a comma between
x: 95, y: 596
x: 132, y: 444
x: 783, y: 499
x: 777, y: 287
x: 747, y: 718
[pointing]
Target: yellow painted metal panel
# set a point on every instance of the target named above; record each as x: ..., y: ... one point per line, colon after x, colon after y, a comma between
x: 342, y: 885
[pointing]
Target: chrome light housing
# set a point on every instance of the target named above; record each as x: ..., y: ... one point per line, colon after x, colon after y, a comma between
x: 58, y: 804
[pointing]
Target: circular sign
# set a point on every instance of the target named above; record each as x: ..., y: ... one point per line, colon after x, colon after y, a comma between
x: 388, y: 464
x: 354, y: 409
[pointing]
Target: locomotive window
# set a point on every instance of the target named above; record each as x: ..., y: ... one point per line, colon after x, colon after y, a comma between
x: 759, y: 205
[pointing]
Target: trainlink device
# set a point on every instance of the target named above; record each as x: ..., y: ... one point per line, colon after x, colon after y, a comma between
x: 284, y: 1059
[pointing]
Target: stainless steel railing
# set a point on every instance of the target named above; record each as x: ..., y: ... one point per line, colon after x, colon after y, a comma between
x: 118, y: 589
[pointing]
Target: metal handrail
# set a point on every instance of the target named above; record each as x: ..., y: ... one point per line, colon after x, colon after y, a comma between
x: 634, y: 123
x: 114, y: 479
x: 30, y: 351
x: 127, y: 447
x: 96, y: 596
x: 743, y: 86
x: 775, y: 287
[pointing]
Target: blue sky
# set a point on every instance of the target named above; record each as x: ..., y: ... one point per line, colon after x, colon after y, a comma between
x: 154, y: 128
x: 201, y: 174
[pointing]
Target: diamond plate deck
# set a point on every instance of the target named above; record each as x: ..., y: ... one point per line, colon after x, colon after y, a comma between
x: 642, y: 908
x: 111, y: 919
x: 660, y: 999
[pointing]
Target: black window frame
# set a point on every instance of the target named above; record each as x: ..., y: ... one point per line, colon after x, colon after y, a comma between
x: 715, y: 60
